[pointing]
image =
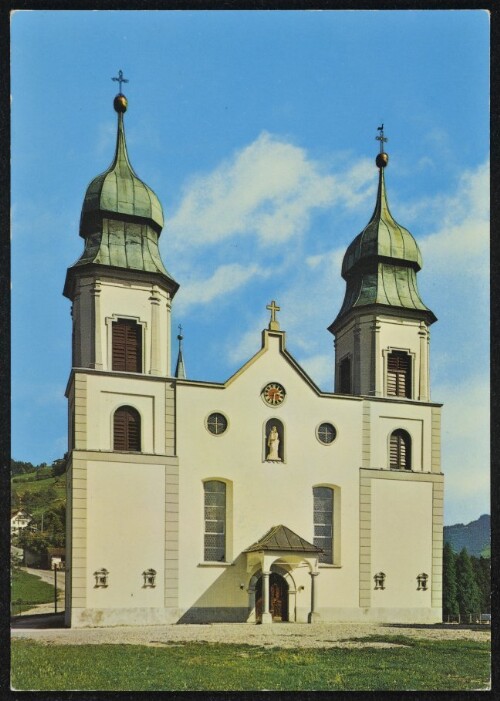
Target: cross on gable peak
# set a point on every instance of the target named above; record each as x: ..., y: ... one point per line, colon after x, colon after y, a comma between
x: 273, y: 323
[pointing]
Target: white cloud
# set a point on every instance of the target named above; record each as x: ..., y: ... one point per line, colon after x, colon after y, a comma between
x: 268, y: 189
x: 248, y: 344
x: 227, y: 278
x: 320, y: 369
x: 460, y: 243
x: 304, y: 317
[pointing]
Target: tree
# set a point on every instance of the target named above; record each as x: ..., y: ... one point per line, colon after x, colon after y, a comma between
x: 58, y: 467
x: 18, y: 467
x: 482, y: 573
x: 450, y: 600
x: 468, y: 593
x: 36, y: 542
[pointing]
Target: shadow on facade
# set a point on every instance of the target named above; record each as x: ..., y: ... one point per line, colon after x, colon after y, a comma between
x: 226, y: 600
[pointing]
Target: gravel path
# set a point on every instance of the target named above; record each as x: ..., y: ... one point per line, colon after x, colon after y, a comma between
x: 286, y: 635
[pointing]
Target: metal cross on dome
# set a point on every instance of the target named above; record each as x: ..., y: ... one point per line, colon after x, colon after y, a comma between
x: 381, y: 138
x: 120, y: 79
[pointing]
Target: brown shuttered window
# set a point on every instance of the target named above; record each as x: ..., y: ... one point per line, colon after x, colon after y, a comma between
x: 127, y: 346
x: 400, y: 451
x: 399, y: 374
x: 127, y: 429
x: 345, y: 376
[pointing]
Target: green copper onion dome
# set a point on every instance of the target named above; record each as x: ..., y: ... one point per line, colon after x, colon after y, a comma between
x: 121, y: 218
x: 118, y: 190
x: 380, y: 265
x: 382, y: 237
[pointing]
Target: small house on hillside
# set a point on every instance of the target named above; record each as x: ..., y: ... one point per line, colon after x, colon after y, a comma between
x: 56, y: 558
x: 19, y: 520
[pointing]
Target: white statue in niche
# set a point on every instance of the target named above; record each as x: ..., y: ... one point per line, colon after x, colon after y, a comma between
x: 273, y: 443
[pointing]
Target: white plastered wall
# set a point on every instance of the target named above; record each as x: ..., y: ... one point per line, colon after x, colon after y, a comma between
x: 106, y: 393
x: 401, y: 542
x: 125, y: 533
x: 265, y: 494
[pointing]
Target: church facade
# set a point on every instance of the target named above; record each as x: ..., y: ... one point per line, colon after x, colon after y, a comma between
x: 263, y: 498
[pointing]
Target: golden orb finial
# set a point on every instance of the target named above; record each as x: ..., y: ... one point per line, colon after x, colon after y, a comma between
x: 120, y: 103
x: 382, y: 159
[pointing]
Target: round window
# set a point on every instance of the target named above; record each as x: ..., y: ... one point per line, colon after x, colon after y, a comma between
x: 216, y: 423
x: 326, y: 433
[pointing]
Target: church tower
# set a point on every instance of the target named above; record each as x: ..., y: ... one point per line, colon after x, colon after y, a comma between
x: 120, y: 289
x: 122, y: 467
x: 382, y: 329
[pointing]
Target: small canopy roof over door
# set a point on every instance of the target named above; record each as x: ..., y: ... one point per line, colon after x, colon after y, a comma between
x: 281, y: 539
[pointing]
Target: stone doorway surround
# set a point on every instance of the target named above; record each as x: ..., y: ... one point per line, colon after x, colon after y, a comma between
x: 280, y: 551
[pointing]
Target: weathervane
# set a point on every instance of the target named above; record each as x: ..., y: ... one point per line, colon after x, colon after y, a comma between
x: 380, y: 138
x: 120, y: 79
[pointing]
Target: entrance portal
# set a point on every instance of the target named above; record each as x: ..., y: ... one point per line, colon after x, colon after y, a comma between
x: 278, y: 598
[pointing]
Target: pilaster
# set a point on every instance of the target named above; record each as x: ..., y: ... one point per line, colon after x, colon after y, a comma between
x: 423, y: 388
x: 365, y: 525
x: 356, y: 366
x: 155, y: 340
x: 96, y: 346
x: 437, y: 543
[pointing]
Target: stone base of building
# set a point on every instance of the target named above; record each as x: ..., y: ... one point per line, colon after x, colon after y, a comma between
x: 102, y: 618
x: 107, y: 618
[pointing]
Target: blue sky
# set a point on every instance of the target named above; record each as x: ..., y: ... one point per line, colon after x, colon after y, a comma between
x: 257, y: 132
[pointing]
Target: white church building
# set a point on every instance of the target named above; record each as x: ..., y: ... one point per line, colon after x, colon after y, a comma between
x: 262, y: 499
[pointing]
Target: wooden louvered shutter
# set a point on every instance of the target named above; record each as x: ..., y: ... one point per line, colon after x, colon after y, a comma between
x: 120, y: 430
x: 399, y: 374
x: 400, y: 451
x: 127, y: 346
x: 127, y: 429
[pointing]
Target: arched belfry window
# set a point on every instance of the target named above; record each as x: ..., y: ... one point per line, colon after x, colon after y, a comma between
x: 127, y: 429
x: 399, y: 374
x: 215, y: 521
x: 274, y: 441
x: 400, y: 450
x: 345, y: 374
x: 127, y: 345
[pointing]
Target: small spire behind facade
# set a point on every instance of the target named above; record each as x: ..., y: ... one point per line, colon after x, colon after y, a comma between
x: 273, y: 323
x: 180, y: 368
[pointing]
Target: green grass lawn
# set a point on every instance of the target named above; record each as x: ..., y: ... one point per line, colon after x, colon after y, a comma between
x: 420, y: 665
x: 29, y: 588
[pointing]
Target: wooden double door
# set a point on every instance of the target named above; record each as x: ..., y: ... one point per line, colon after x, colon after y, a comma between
x: 278, y: 597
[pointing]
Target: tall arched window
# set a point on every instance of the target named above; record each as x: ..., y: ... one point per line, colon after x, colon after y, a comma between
x: 127, y: 345
x: 127, y: 429
x: 323, y: 522
x: 215, y: 521
x: 399, y: 374
x: 400, y: 450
